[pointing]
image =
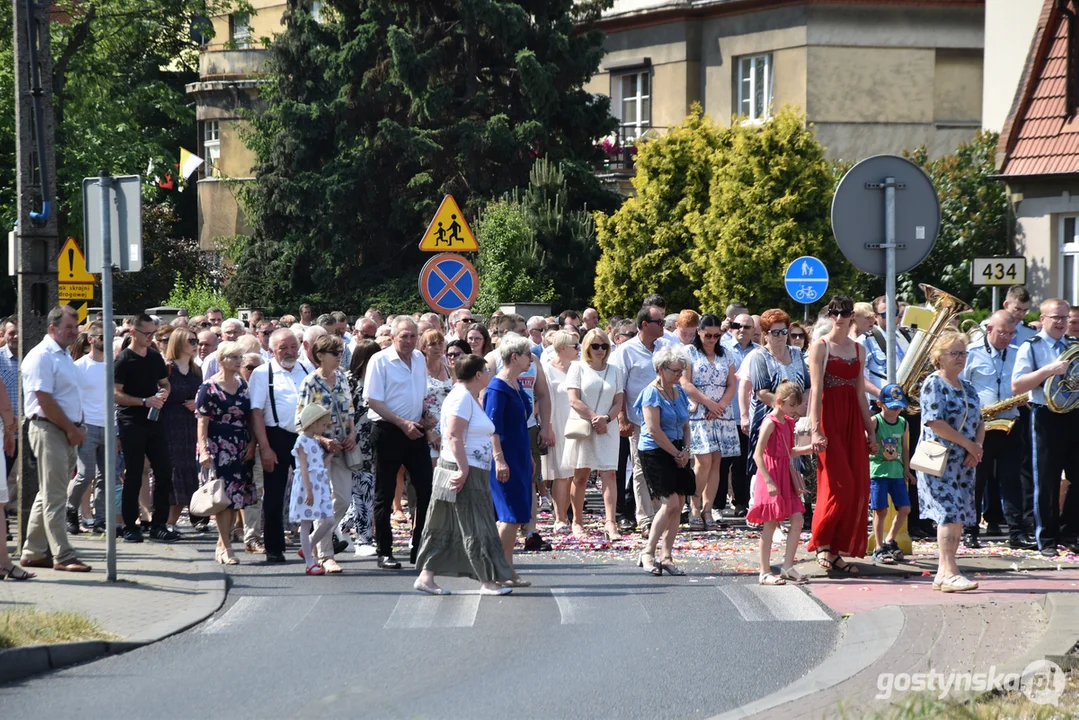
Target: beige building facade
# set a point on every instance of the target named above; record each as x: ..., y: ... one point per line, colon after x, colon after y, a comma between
x: 872, y: 77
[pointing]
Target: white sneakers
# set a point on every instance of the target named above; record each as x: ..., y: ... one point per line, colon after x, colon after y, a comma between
x: 364, y: 550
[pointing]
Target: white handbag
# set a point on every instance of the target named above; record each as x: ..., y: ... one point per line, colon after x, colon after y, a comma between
x: 210, y: 498
x: 931, y: 457
x: 577, y: 428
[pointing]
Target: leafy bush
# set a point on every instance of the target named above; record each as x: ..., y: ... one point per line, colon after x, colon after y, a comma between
x: 197, y: 296
x: 510, y: 264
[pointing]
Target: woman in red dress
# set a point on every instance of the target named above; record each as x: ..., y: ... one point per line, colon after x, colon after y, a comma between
x: 842, y: 435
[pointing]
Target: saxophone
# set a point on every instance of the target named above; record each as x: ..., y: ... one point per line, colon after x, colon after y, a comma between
x: 990, y: 411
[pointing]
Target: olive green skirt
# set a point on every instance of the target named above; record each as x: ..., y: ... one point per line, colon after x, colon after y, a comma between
x: 460, y: 538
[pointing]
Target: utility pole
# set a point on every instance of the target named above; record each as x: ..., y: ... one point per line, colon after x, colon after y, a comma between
x: 36, y: 238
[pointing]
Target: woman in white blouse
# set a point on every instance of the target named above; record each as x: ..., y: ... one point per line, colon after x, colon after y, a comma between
x: 566, y: 350
x: 595, y: 389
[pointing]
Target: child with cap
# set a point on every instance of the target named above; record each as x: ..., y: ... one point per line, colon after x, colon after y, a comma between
x: 312, y: 498
x: 889, y: 472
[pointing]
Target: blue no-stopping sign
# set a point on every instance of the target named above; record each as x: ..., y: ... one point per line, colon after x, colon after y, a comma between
x: 806, y: 280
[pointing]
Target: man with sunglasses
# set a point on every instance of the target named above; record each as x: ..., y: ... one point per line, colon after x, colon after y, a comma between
x: 142, y: 384
x: 1053, y: 435
x: 623, y: 331
x: 535, y: 327
x: 742, y: 330
x: 459, y: 322
x: 263, y: 333
x: 90, y: 467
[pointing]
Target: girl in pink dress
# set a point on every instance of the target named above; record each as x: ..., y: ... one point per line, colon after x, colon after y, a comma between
x: 776, y: 492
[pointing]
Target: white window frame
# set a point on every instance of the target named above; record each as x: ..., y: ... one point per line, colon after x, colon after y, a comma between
x: 640, y: 126
x: 211, y: 145
x: 1069, y: 246
x: 748, y: 85
x: 240, y: 30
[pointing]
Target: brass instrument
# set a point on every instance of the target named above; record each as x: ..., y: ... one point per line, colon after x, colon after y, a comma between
x: 1062, y: 391
x: 989, y: 412
x: 916, y: 365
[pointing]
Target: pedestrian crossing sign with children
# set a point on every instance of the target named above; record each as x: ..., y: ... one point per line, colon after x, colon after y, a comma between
x: 449, y: 230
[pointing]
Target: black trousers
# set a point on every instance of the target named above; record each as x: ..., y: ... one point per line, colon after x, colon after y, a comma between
x: 739, y: 483
x: 626, y: 504
x: 1026, y: 471
x: 1055, y: 452
x: 275, y: 484
x: 392, y: 450
x: 143, y: 441
x: 1001, y: 463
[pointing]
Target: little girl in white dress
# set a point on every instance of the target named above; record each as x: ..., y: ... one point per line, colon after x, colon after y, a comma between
x: 312, y: 497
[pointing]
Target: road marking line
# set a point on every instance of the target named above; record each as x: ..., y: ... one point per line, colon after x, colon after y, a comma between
x: 242, y: 610
x: 587, y: 606
x: 783, y: 603
x: 304, y: 616
x: 414, y: 611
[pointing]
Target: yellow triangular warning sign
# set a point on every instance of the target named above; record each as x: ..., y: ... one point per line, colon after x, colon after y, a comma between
x: 449, y: 230
x: 71, y: 265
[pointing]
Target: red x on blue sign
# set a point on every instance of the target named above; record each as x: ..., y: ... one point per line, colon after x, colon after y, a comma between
x: 448, y: 282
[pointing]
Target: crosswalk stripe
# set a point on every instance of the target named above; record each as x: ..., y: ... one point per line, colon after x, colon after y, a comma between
x: 593, y: 606
x: 243, y: 609
x: 415, y: 611
x: 783, y: 603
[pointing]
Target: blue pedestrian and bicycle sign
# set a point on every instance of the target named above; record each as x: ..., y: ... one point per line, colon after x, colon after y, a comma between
x: 806, y: 280
x: 448, y: 282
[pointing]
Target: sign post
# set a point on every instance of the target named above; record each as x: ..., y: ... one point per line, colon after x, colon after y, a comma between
x: 97, y: 197
x: 806, y: 281
x: 449, y: 282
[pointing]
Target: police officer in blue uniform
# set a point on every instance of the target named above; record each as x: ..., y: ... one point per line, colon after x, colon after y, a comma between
x: 1053, y: 435
x: 990, y: 363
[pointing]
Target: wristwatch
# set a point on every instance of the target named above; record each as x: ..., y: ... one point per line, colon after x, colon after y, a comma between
x: 607, y: 417
x: 143, y: 401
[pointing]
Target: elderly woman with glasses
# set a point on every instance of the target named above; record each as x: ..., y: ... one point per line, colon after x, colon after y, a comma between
x: 844, y: 437
x: 952, y: 417
x: 710, y: 382
x: 224, y: 442
x: 328, y: 386
x: 665, y: 455
x: 595, y: 388
x: 507, y: 405
x: 178, y: 419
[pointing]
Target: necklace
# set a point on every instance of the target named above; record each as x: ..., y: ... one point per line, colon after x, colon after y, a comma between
x: 668, y: 394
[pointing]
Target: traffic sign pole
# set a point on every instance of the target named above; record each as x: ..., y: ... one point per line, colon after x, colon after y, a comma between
x: 889, y: 271
x: 108, y: 332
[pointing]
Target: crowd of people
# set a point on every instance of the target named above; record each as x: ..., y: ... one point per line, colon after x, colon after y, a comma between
x: 321, y: 433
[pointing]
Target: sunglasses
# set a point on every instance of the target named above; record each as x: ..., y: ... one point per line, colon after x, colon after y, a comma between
x: 335, y: 353
x: 711, y: 336
x: 96, y: 337
x: 454, y: 355
x: 676, y: 371
x: 840, y: 313
x: 600, y: 346
x: 740, y: 326
x: 778, y: 333
x: 147, y: 333
x: 193, y: 342
x: 797, y: 336
x: 265, y: 332
x: 250, y: 368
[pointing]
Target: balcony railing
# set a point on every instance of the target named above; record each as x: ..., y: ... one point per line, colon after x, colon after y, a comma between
x: 222, y: 64
x: 620, y: 148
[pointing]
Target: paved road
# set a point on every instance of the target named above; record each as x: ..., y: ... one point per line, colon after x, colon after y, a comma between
x: 588, y: 640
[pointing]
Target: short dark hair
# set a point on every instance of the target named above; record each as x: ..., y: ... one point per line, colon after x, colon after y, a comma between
x: 468, y: 367
x: 567, y: 314
x: 645, y: 314
x: 144, y: 318
x: 305, y: 305
x: 214, y: 308
x: 1018, y: 293
x: 657, y: 300
x: 840, y: 302
x: 56, y: 315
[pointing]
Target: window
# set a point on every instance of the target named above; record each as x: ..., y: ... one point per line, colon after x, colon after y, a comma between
x: 755, y: 87
x: 1069, y: 260
x: 240, y: 30
x: 316, y: 11
x: 634, y: 102
x: 211, y: 145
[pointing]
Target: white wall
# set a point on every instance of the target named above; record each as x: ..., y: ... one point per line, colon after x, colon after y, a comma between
x: 1009, y: 29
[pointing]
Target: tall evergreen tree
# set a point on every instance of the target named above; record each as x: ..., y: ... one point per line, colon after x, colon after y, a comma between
x: 383, y: 106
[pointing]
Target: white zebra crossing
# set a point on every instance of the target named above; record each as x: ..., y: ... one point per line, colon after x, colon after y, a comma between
x: 782, y: 603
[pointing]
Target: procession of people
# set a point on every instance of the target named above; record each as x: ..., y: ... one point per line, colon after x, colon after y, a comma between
x: 685, y: 422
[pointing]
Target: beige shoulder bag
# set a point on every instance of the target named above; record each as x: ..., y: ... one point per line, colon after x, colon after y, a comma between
x: 931, y: 457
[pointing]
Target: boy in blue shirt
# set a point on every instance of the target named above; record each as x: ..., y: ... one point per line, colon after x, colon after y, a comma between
x: 889, y: 472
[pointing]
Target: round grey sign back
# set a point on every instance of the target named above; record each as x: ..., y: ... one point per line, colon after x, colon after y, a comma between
x: 858, y: 214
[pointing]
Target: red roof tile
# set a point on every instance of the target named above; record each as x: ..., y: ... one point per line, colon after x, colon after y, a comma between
x: 1041, y: 136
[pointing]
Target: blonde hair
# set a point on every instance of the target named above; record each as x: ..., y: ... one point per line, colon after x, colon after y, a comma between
x: 563, y: 338
x: 786, y: 391
x: 286, y: 321
x: 593, y: 336
x: 864, y: 308
x: 431, y: 337
x: 177, y: 339
x: 229, y: 347
x: 944, y: 341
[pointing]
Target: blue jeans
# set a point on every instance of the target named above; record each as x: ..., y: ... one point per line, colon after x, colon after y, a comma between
x: 91, y: 468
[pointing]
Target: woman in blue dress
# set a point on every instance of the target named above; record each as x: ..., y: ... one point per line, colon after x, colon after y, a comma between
x: 951, y: 416
x: 507, y: 404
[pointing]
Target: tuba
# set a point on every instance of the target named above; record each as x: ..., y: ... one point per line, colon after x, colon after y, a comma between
x: 916, y: 364
x: 989, y: 412
x: 1062, y: 391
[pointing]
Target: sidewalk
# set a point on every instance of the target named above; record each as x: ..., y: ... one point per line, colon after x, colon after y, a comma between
x: 161, y: 590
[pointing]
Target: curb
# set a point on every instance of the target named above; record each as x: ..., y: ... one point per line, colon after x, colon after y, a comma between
x: 1060, y: 636
x: 22, y: 662
x: 866, y: 638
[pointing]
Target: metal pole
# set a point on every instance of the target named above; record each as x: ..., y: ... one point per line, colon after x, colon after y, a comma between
x: 889, y: 270
x: 104, y: 182
x: 996, y: 299
x: 805, y: 314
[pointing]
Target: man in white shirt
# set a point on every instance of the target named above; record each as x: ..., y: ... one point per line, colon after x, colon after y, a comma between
x: 394, y: 388
x: 634, y: 359
x: 207, y: 347
x: 459, y: 321
x: 53, y: 400
x: 231, y: 330
x: 91, y: 454
x: 274, y: 388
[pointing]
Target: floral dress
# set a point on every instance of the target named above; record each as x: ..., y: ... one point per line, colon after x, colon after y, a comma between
x: 711, y: 377
x: 228, y: 437
x: 359, y: 515
x: 338, y: 400
x: 949, y: 498
x: 437, y: 390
